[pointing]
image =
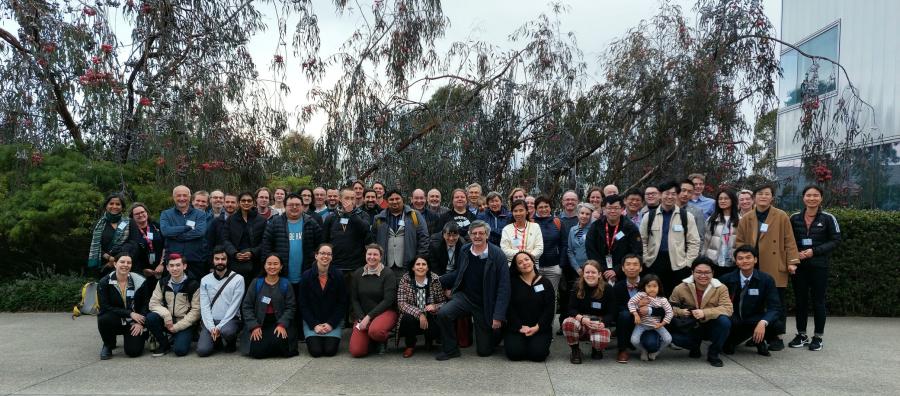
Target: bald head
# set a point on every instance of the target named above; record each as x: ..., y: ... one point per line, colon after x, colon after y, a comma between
x: 434, y: 197
x: 417, y: 200
x: 182, y: 197
x: 610, y: 189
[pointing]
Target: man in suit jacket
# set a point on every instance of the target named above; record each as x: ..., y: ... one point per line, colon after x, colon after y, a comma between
x: 755, y: 300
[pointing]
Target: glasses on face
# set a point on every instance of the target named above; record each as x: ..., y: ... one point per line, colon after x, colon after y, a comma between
x: 246, y: 201
x: 306, y: 195
x: 703, y: 273
x: 293, y: 205
x: 141, y: 213
x: 324, y: 253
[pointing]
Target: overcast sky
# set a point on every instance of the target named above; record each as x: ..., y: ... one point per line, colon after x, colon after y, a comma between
x: 596, y: 23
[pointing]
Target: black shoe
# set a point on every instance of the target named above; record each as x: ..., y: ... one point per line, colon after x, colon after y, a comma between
x: 105, y: 353
x: 596, y: 354
x: 695, y: 353
x: 799, y: 341
x: 715, y: 362
x: 447, y: 356
x: 559, y: 332
x: 575, y: 357
x: 230, y: 347
x: 776, y: 345
x: 728, y: 348
x: 763, y: 349
x: 160, y: 352
x: 750, y: 343
x: 816, y: 344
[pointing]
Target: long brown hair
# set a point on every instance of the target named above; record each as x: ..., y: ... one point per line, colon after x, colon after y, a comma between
x: 581, y: 285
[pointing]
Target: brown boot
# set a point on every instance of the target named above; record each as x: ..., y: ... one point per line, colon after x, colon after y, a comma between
x: 576, y: 354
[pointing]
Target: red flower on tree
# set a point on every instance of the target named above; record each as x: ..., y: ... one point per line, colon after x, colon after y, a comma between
x: 89, y: 11
x: 145, y: 101
x: 106, y: 48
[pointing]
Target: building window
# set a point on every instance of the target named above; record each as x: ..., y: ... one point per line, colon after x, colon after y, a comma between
x: 796, y: 66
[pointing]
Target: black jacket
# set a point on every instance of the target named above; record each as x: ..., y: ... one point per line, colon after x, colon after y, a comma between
x: 136, y: 300
x: 349, y: 239
x: 239, y: 235
x: 758, y: 301
x: 462, y: 220
x: 529, y: 307
x: 140, y: 249
x: 319, y: 306
x: 604, y: 307
x: 438, y: 260
x: 630, y: 242
x: 824, y: 233
x: 275, y: 241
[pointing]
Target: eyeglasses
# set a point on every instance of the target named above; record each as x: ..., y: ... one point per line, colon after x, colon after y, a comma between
x: 324, y: 253
x: 247, y: 200
x: 294, y: 205
x: 703, y: 273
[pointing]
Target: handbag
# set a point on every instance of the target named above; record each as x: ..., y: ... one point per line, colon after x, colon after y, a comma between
x: 683, y: 324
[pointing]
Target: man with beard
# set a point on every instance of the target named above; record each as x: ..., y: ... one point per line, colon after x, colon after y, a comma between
x: 221, y: 293
x: 370, y: 205
x: 332, y: 198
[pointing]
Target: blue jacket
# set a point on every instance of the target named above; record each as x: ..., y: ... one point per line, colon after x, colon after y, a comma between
x: 496, y: 281
x: 555, y: 241
x: 750, y: 306
x: 496, y: 222
x: 187, y: 241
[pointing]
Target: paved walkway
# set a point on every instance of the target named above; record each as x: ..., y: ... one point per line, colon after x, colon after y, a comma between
x: 48, y: 353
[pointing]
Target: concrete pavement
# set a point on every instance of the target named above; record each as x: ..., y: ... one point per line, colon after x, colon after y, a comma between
x: 48, y: 353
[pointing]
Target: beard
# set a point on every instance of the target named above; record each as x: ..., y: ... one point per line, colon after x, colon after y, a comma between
x: 221, y: 267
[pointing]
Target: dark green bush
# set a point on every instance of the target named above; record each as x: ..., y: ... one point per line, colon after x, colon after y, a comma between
x: 47, y: 292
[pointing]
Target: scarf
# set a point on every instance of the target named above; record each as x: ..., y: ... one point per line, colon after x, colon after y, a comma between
x: 94, y: 254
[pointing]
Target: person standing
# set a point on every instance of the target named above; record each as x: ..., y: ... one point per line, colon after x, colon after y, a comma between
x: 185, y: 230
x: 768, y: 230
x: 819, y: 234
x: 521, y: 235
x: 110, y: 236
x: 348, y: 231
x: 147, y: 244
x: 380, y: 199
x: 669, y: 237
x: 402, y: 233
x: 720, y: 230
x: 684, y: 197
x: 221, y: 292
x: 577, y: 246
x: 460, y: 214
x: 435, y: 211
x: 554, y: 243
x: 293, y: 238
x: 242, y: 238
x: 495, y: 215
x: 706, y: 204
x: 634, y: 201
x: 611, y: 238
x: 263, y: 199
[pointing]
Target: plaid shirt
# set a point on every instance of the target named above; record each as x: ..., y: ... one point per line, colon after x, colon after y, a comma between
x: 406, y: 295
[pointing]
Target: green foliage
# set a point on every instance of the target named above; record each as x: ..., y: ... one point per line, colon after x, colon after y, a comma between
x: 293, y: 183
x: 46, y: 292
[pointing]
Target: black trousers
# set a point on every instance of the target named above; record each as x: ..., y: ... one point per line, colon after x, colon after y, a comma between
x: 535, y: 348
x: 742, y: 330
x: 566, y: 284
x: 410, y: 329
x: 662, y: 268
x: 459, y: 306
x: 110, y: 326
x: 810, y: 281
x: 780, y: 325
x: 322, y: 346
x: 270, y: 345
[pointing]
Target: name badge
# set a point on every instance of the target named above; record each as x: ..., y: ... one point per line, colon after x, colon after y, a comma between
x: 190, y: 223
x: 763, y: 227
x: 266, y: 300
x: 609, y: 263
x: 401, y: 223
x: 596, y: 305
x: 620, y: 235
x: 129, y: 293
x: 806, y: 241
x: 516, y: 241
x: 152, y: 257
x: 753, y: 292
x: 344, y: 220
x: 677, y: 228
x: 538, y: 288
x: 150, y: 235
x: 122, y: 225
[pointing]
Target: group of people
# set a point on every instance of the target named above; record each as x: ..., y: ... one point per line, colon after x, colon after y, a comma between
x: 666, y: 265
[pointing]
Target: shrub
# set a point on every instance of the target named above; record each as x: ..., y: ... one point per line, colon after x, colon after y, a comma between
x: 46, y: 292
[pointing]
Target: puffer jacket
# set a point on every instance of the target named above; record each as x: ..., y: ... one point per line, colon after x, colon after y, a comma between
x: 719, y: 244
x: 822, y: 236
x: 182, y: 308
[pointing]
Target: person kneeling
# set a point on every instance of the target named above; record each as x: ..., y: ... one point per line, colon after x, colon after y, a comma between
x: 174, y: 309
x: 754, y: 294
x: 529, y: 318
x: 221, y: 293
x: 323, y: 303
x: 419, y: 298
x: 268, y: 312
x: 122, y: 301
x: 590, y: 307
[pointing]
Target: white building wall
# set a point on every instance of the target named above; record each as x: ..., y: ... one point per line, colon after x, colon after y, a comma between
x: 869, y: 49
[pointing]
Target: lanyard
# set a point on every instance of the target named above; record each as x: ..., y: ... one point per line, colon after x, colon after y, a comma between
x: 611, y: 237
x: 524, y: 235
x: 146, y: 238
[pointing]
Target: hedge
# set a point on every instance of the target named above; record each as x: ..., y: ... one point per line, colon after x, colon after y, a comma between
x: 49, y: 292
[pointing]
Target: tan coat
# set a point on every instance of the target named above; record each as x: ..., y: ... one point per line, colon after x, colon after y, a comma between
x: 679, y: 257
x: 182, y: 309
x: 716, y: 301
x: 777, y: 247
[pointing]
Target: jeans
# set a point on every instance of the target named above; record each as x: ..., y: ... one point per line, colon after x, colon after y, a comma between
x: 715, y: 330
x: 810, y: 280
x: 664, y: 336
x: 650, y: 340
x: 459, y: 306
x: 180, y: 342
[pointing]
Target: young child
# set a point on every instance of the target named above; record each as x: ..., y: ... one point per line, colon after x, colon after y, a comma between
x: 650, y: 287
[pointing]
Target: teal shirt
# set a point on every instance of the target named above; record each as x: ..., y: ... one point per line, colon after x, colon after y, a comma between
x: 295, y: 260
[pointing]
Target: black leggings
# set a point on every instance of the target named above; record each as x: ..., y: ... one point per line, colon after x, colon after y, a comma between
x: 322, y: 346
x: 535, y: 348
x: 409, y: 329
x: 810, y: 280
x: 270, y: 345
x: 110, y: 326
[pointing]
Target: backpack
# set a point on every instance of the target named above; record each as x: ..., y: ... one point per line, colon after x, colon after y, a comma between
x: 558, y: 223
x: 681, y: 213
x: 415, y: 220
x: 90, y: 302
x: 282, y: 284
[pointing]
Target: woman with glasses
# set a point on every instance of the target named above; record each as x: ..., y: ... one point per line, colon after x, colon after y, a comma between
x: 322, y: 297
x: 705, y: 300
x: 147, y: 243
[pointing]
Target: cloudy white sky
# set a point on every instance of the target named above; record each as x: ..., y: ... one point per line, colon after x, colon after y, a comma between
x: 596, y: 23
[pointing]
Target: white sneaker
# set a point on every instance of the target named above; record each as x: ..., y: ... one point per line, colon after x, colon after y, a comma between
x: 644, y: 356
x: 652, y: 356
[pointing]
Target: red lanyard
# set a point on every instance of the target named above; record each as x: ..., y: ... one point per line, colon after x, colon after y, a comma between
x: 149, y: 241
x: 611, y: 237
x: 524, y: 235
